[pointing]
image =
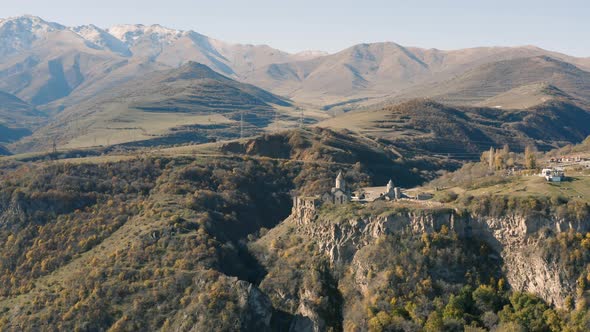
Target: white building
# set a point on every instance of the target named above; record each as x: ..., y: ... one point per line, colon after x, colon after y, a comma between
x: 553, y: 174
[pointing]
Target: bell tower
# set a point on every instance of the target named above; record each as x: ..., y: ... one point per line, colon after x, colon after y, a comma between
x: 340, y: 183
x: 390, y: 187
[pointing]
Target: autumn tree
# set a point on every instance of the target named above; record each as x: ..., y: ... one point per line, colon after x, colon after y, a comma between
x: 502, y: 157
x: 530, y: 159
x: 488, y: 157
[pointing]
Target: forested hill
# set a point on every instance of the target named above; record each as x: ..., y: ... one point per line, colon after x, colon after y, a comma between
x: 154, y: 240
x: 202, y: 238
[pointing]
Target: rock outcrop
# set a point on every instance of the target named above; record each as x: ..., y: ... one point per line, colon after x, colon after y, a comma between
x: 252, y: 309
x: 512, y: 236
x: 256, y: 306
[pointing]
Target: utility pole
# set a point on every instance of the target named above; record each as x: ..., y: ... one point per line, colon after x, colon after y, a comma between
x: 54, y: 146
x: 301, y: 118
x: 491, y: 159
x: 241, y: 124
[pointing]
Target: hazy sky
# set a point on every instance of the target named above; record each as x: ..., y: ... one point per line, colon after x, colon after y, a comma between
x: 331, y: 25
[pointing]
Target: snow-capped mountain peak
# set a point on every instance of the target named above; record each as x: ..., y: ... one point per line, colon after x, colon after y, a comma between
x: 18, y: 33
x: 102, y: 39
x: 30, y: 23
x: 130, y: 33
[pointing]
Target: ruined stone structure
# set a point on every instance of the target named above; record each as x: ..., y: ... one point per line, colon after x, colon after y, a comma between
x: 304, y: 208
x: 397, y: 193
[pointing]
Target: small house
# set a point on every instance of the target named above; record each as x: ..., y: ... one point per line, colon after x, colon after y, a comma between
x: 553, y: 174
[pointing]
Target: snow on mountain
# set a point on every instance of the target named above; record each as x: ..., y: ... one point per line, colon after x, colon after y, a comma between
x: 36, y: 55
x: 102, y: 39
x: 130, y: 33
x: 19, y: 33
x: 311, y: 54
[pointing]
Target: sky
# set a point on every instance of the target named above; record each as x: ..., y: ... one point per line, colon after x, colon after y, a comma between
x: 330, y: 25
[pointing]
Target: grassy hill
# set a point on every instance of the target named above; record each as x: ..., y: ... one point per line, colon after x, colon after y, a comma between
x: 490, y: 80
x: 17, y: 118
x: 422, y: 126
x: 526, y: 96
x: 191, y: 103
x: 325, y: 146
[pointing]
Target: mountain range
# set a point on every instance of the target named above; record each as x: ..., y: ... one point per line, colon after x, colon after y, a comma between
x: 383, y: 70
x: 165, y: 180
x: 43, y: 62
x: 86, y: 85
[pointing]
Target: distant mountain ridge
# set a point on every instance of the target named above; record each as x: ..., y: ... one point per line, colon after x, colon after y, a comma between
x: 17, y: 34
x: 492, y: 79
x: 43, y: 62
x: 103, y: 39
x: 384, y: 70
x: 79, y: 62
x: 141, y: 82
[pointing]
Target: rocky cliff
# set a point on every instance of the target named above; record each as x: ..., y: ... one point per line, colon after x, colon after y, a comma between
x: 513, y: 237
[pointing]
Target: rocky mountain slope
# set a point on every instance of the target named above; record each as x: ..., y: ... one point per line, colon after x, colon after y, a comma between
x: 349, y: 237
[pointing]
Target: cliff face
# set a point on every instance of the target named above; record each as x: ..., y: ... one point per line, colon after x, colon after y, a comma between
x: 252, y: 310
x: 514, y: 238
